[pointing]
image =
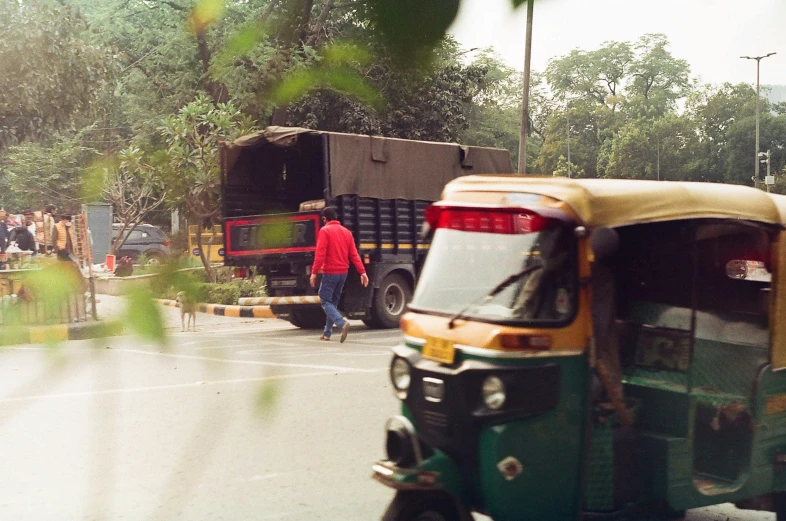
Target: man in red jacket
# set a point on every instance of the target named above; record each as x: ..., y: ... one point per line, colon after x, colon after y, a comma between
x: 335, y: 248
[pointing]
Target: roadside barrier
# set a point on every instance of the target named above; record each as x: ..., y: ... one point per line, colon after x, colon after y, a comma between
x: 226, y: 311
x: 276, y: 301
x: 14, y: 335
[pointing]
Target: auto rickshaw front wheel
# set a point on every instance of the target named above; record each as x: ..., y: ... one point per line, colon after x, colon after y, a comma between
x: 419, y: 505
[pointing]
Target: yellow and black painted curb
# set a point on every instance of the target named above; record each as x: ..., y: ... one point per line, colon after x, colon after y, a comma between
x: 227, y: 311
x: 15, y: 335
x: 279, y: 301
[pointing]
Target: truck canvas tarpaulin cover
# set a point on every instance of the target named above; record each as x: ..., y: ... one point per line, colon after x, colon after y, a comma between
x: 275, y: 182
x: 371, y: 166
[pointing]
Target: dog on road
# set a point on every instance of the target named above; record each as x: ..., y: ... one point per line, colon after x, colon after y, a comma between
x: 187, y: 306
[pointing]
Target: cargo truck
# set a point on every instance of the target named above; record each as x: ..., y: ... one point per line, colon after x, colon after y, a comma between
x: 275, y: 182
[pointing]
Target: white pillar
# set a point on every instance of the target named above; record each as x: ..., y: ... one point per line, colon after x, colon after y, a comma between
x: 175, y: 221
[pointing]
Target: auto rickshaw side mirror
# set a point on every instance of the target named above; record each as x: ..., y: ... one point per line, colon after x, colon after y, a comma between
x: 604, y: 243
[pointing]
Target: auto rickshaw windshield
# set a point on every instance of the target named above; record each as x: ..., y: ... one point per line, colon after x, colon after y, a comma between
x: 464, y: 266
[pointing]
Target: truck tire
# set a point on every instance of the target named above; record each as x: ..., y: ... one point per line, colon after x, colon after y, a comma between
x: 307, y: 318
x: 389, y: 302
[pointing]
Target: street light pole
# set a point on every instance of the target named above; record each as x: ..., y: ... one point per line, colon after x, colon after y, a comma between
x: 758, y: 103
x: 522, y: 167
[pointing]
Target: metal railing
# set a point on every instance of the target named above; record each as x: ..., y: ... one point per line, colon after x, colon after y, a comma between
x: 27, y: 309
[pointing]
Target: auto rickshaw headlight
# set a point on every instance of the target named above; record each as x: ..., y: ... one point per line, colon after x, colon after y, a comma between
x: 400, y: 374
x: 493, y: 392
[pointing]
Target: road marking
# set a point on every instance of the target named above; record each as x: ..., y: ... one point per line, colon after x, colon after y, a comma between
x: 274, y: 350
x: 339, y: 353
x: 128, y: 390
x: 245, y: 362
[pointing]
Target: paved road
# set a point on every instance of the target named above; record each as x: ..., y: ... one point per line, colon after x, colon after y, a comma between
x: 242, y: 420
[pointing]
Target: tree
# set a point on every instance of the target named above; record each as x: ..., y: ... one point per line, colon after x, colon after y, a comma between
x: 741, y: 145
x: 192, y: 180
x: 593, y: 75
x: 657, y: 150
x: 659, y: 79
x: 714, y: 110
x: 494, y: 116
x: 33, y: 174
x: 617, y: 96
x: 172, y: 50
x: 430, y: 103
x: 50, y: 75
x: 132, y: 187
x: 589, y: 125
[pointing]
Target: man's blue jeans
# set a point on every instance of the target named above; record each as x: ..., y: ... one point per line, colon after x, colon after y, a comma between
x: 329, y: 294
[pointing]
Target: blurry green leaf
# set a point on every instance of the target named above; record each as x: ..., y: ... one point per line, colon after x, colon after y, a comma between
x: 294, y: 86
x: 342, y: 54
x: 12, y: 332
x: 276, y: 234
x: 517, y: 3
x: 94, y: 180
x: 267, y: 396
x: 240, y: 44
x: 204, y: 14
x: 333, y: 72
x: 144, y: 316
x: 354, y: 85
x: 54, y: 284
x: 410, y: 27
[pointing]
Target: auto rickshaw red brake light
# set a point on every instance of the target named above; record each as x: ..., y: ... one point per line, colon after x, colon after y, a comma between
x: 505, y: 221
x: 534, y: 342
x: 432, y: 215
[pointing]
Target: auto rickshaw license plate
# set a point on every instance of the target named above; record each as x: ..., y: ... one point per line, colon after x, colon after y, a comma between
x: 439, y: 350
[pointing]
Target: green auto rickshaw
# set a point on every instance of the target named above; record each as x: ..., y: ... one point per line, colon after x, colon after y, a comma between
x: 596, y: 348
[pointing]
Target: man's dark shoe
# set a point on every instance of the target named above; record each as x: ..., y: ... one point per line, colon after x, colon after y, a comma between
x: 344, y: 331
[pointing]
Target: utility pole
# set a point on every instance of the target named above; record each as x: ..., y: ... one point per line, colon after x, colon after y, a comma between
x: 758, y: 103
x: 567, y: 116
x: 522, y: 169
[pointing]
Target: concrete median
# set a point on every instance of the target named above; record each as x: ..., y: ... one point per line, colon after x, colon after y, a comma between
x: 22, y: 334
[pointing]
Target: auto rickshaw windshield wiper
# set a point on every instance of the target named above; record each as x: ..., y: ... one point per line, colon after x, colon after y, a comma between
x: 494, y: 292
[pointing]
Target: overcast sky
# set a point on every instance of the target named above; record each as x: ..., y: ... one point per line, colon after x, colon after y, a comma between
x: 710, y: 34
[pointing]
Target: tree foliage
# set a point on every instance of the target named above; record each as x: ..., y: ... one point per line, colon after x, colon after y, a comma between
x: 206, y: 69
x: 134, y: 189
x: 33, y: 174
x: 50, y: 74
x: 192, y: 179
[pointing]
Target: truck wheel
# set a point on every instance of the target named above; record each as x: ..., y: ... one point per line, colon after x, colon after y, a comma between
x: 390, y: 300
x: 424, y: 506
x: 307, y: 318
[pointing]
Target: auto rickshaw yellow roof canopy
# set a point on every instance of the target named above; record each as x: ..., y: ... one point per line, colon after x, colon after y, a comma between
x: 620, y: 202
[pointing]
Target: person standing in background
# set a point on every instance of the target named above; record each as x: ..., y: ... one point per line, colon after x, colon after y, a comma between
x: 3, y: 232
x: 63, y: 237
x: 21, y: 235
x: 29, y: 217
x: 49, y: 226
